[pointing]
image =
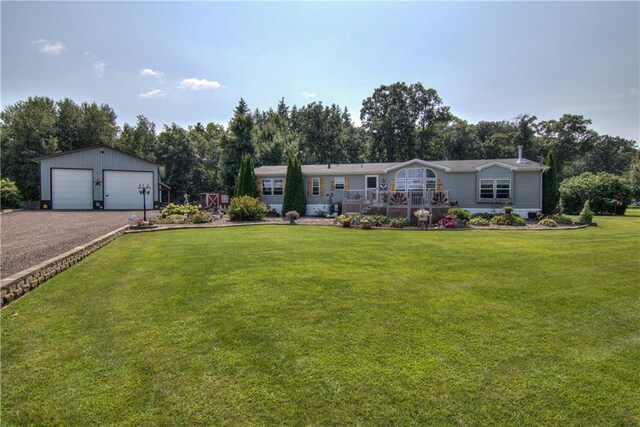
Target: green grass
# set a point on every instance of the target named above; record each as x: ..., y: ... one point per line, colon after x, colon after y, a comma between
x: 321, y: 325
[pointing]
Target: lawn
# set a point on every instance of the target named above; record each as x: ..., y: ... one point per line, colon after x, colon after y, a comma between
x: 322, y: 325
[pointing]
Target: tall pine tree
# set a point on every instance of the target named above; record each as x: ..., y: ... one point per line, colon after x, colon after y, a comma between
x: 550, y: 186
x: 294, y: 198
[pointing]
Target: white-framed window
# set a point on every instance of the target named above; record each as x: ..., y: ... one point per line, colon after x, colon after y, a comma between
x: 415, y: 179
x: 315, y: 186
x: 339, y: 183
x: 495, y: 188
x: 273, y: 187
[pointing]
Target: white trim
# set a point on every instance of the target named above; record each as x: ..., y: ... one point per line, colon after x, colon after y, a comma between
x: 319, y: 185
x: 419, y: 162
x: 499, y: 164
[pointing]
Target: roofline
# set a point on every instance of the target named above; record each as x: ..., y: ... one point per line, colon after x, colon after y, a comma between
x: 38, y: 159
x: 420, y: 162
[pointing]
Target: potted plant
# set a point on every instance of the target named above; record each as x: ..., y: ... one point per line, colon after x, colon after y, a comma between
x: 345, y: 220
x: 365, y: 223
x: 292, y: 216
x: 424, y: 217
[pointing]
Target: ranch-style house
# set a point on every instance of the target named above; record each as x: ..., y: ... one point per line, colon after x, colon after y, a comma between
x: 400, y: 188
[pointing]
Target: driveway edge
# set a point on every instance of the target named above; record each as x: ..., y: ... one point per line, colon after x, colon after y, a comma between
x: 18, y: 284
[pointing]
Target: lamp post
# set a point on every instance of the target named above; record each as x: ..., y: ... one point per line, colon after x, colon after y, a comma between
x: 144, y: 190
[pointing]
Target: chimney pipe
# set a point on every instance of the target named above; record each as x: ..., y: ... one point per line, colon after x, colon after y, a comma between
x: 520, y: 160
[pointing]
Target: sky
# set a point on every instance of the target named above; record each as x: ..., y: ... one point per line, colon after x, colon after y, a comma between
x: 189, y: 62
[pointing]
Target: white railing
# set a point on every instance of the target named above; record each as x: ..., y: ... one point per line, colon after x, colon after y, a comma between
x: 360, y: 201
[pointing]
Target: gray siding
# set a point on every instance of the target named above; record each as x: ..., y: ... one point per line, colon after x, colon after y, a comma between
x: 98, y: 159
x: 528, y: 190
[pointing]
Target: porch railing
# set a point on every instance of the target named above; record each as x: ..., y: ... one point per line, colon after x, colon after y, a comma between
x: 361, y: 201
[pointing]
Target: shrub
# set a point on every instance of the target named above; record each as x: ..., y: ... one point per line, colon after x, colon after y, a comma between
x: 459, y: 214
x: 201, y: 217
x: 246, y: 208
x: 447, y: 221
x: 174, y: 209
x: 607, y: 193
x: 548, y: 222
x: 561, y: 219
x: 292, y: 214
x: 485, y: 215
x: 586, y: 216
x: 479, y: 221
x: 508, y: 210
x: 9, y: 194
x: 513, y: 220
x: 173, y: 219
x: 345, y: 219
x: 399, y: 222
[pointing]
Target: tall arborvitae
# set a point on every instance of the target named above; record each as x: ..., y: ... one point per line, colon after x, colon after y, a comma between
x: 294, y: 198
x: 246, y: 181
x: 550, y: 186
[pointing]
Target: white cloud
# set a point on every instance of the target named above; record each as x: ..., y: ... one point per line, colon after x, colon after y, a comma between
x: 631, y: 93
x: 99, y: 66
x: 153, y: 93
x: 148, y: 72
x: 309, y: 94
x: 199, y: 84
x: 50, y: 48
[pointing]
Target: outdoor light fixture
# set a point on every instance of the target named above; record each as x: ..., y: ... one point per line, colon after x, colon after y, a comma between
x: 144, y: 190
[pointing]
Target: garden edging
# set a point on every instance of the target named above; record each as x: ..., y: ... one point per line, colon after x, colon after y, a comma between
x: 18, y: 284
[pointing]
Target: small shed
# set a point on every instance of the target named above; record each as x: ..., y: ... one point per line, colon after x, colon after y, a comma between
x: 98, y: 177
x: 214, y: 200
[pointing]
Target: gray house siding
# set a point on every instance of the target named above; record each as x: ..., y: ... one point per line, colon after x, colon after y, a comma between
x: 528, y: 190
x: 98, y: 159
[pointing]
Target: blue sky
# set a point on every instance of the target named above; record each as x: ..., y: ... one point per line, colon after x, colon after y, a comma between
x: 191, y: 62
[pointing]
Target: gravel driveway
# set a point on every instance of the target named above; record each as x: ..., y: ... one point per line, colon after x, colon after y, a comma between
x: 28, y: 238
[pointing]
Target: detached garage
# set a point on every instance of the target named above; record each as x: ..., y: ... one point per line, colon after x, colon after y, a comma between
x: 97, y: 177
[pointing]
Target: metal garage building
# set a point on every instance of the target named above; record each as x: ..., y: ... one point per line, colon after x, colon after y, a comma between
x: 98, y: 177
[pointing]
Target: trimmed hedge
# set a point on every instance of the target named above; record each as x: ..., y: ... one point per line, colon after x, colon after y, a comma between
x: 600, y: 189
x: 548, y: 222
x: 478, y: 221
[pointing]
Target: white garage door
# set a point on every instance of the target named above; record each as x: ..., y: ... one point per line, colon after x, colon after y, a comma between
x: 121, y: 189
x: 71, y: 189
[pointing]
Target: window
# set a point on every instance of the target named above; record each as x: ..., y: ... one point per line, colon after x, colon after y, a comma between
x: 495, y: 188
x: 272, y: 187
x: 315, y: 186
x: 415, y: 179
x: 503, y: 189
x: 339, y: 183
x: 267, y: 187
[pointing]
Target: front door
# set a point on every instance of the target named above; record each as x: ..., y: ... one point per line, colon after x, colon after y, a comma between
x: 371, y: 186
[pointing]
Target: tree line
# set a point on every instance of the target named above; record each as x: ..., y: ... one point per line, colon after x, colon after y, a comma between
x: 399, y: 122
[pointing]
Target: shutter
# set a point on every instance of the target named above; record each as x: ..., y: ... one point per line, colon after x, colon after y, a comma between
x: 321, y: 186
x: 333, y: 184
x: 259, y: 186
x: 393, y: 185
x: 438, y: 185
x: 346, y: 183
x: 309, y: 186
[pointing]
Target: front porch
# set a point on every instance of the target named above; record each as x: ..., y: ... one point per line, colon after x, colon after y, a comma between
x: 396, y: 203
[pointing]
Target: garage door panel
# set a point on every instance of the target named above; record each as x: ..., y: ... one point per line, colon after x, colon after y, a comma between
x: 121, y: 189
x: 72, y: 189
